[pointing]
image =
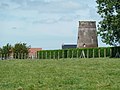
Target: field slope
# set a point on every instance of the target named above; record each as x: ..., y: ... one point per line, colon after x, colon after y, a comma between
x: 63, y: 74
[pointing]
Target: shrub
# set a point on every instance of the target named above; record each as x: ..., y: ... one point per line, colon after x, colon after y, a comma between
x: 79, y: 53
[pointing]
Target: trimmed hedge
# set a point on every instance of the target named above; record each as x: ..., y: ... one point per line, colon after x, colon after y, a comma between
x: 115, y: 50
x: 78, y: 53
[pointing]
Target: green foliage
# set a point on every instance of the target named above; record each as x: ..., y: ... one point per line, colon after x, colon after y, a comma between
x: 75, y: 53
x: 5, y: 51
x: 79, y: 53
x: 115, y: 50
x: 63, y: 74
x: 109, y: 26
x: 20, y: 49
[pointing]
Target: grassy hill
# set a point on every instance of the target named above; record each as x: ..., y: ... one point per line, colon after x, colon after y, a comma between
x: 63, y: 74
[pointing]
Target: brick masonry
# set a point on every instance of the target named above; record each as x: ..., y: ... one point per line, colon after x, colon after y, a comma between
x: 87, y: 34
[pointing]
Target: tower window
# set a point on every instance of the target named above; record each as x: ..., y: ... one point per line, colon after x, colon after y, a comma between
x: 84, y: 45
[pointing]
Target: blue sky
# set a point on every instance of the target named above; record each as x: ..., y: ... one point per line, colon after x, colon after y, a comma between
x: 44, y: 23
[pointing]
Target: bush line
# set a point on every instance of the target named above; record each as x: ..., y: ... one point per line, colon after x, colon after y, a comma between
x: 79, y: 53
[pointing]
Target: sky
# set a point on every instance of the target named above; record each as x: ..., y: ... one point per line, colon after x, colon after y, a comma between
x: 44, y: 24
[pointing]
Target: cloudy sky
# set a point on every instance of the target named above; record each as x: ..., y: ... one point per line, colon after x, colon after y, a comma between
x: 44, y: 23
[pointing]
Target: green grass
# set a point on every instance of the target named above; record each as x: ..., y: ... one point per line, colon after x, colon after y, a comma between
x: 63, y: 74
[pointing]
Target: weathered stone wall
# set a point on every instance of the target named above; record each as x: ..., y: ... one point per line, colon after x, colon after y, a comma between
x: 87, y: 35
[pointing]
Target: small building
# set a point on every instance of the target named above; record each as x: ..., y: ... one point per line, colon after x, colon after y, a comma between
x: 66, y: 46
x: 33, y: 52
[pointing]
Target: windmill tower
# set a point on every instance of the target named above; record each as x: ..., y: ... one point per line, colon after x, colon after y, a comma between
x: 87, y: 35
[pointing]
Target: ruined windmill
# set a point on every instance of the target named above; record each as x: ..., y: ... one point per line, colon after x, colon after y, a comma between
x: 87, y: 35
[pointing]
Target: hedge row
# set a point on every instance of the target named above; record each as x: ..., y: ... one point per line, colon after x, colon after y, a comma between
x: 115, y: 51
x: 78, y: 53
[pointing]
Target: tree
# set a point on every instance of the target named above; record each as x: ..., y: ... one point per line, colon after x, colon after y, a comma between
x: 6, y: 51
x: 109, y: 26
x: 20, y: 50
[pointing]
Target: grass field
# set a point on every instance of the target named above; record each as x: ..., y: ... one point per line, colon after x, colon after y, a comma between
x: 63, y: 74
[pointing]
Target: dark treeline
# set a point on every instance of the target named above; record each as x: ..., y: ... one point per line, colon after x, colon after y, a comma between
x: 8, y: 50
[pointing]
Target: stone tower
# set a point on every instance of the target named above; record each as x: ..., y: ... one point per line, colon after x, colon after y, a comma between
x: 87, y: 35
